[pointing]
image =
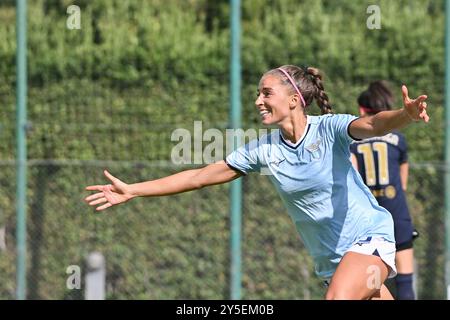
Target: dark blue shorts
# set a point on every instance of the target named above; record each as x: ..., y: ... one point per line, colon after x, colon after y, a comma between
x: 403, y: 230
x: 403, y: 227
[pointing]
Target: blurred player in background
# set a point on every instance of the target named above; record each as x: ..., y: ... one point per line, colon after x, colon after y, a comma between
x: 383, y: 165
x: 350, y: 237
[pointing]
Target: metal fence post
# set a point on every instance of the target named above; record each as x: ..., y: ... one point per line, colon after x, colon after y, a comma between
x: 95, y: 277
x: 21, y: 155
x: 235, y: 118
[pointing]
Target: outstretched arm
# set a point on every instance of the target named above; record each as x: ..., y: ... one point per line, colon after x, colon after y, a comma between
x: 385, y: 121
x: 119, y: 192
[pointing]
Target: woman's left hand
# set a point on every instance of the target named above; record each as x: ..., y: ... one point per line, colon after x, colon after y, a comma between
x: 415, y: 108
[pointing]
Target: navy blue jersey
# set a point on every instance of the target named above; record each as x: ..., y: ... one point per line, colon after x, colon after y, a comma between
x: 379, y: 161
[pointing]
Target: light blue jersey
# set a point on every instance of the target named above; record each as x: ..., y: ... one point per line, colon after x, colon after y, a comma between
x: 325, y: 196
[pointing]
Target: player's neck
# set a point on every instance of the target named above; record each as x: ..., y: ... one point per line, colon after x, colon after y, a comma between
x: 294, y: 128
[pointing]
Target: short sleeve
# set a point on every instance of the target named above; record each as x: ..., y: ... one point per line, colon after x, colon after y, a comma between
x: 340, y: 125
x: 403, y: 147
x: 245, y: 159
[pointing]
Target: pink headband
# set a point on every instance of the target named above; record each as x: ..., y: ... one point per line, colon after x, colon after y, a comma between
x: 366, y: 109
x: 295, y: 86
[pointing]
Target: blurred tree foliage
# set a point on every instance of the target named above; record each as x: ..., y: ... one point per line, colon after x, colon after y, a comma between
x: 117, y: 88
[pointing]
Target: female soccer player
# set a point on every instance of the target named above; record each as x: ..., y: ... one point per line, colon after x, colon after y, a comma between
x: 383, y: 165
x: 350, y: 236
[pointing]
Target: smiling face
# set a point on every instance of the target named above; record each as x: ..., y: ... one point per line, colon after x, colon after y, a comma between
x: 274, y: 100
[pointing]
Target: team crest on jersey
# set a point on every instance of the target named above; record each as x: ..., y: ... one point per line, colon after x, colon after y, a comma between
x: 390, y: 192
x: 314, y: 149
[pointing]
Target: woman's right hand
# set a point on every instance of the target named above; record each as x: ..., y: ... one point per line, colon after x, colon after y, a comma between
x: 113, y: 194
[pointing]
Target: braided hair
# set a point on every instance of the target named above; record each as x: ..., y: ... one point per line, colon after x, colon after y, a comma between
x: 309, y: 81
